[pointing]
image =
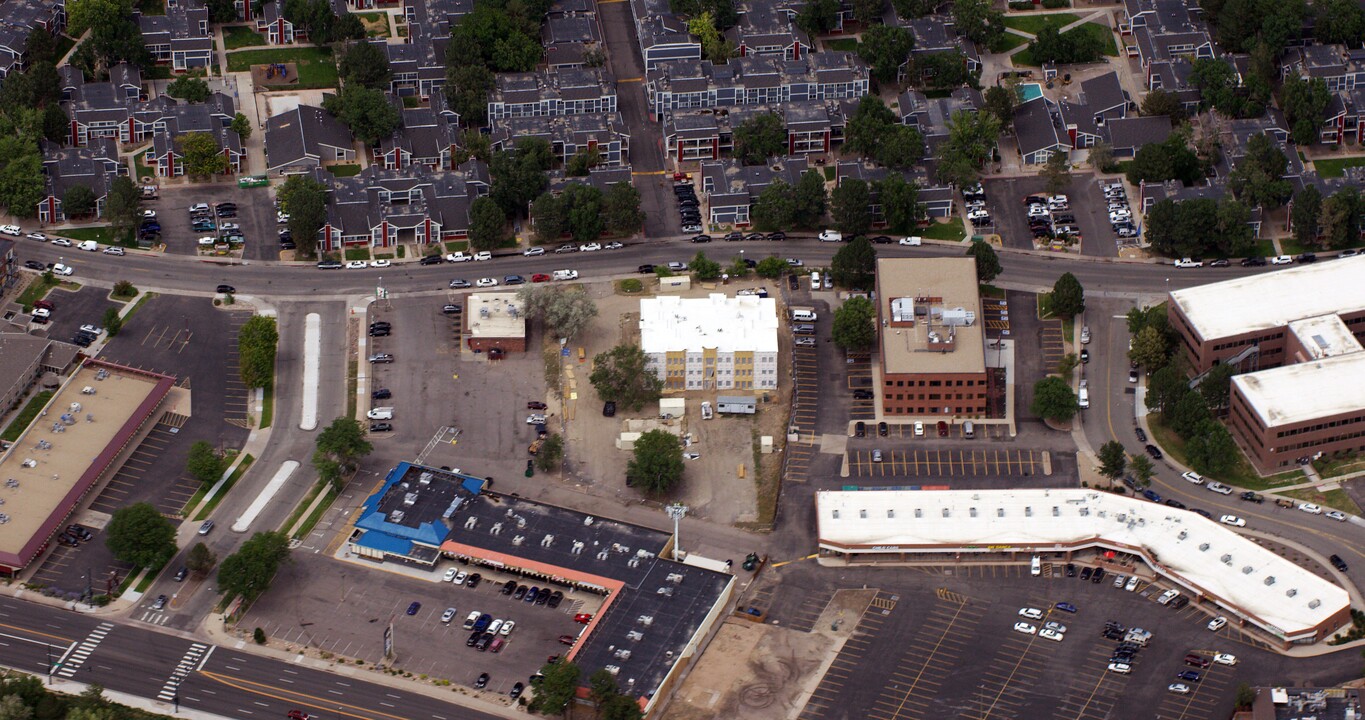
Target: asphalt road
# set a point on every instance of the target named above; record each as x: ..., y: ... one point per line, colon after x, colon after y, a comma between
x: 218, y: 680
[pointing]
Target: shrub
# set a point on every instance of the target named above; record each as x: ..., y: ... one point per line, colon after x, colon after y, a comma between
x: 1055, y: 4
x: 631, y: 285
x: 1021, y: 5
x: 259, y: 636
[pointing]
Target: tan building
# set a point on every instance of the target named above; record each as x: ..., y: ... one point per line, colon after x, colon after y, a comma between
x: 711, y: 343
x: 1294, y: 336
x: 495, y: 321
x: 933, y: 359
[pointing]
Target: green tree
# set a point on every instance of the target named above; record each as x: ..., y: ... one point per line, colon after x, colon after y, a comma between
x: 850, y: 206
x: 971, y: 139
x: 1341, y: 217
x: 771, y: 267
x: 1068, y: 297
x: 467, y: 88
x: 886, y: 48
x: 584, y: 203
x: 257, y: 341
x: 22, y: 184
x: 714, y: 46
x: 248, y: 571
x: 1149, y: 349
x: 200, y: 560
x: 549, y: 218
x: 855, y: 325
x: 656, y: 466
x: 500, y: 37
x: 241, y: 125
x: 855, y: 265
x: 78, y: 201
x: 138, y: 535
x: 911, y: 9
x: 602, y: 687
x: 818, y: 17
x: 1305, y: 105
x: 1245, y: 697
x: 1160, y: 102
x: 987, y: 262
x: 486, y: 224
x: 1113, y: 459
x: 557, y: 687
x: 1142, y: 469
x: 1216, y: 385
x: 1000, y: 102
x: 41, y: 47
x: 12, y: 707
x: 582, y: 162
x: 1056, y: 172
x: 621, y: 209
x: 1305, y: 215
x: 305, y: 199
x: 1067, y: 364
x: 551, y: 453
x: 867, y: 12
x: 204, y: 463
x: 738, y: 268
x: 809, y: 207
x: 775, y: 207
x: 704, y: 268
x: 1053, y: 399
x: 944, y: 70
x: 1339, y: 21
x: 202, y: 155
x: 365, y: 64
x: 367, y: 112
x: 980, y: 21
x: 622, y: 374
x: 1165, y: 387
x: 1101, y: 157
x: 901, y: 208
x: 1189, y: 414
x: 620, y: 707
x: 1169, y: 160
x: 759, y: 138
x: 190, y: 88
x: 901, y: 148
x: 122, y: 207
x: 565, y: 311
x: 221, y: 11
x: 56, y: 126
x: 1211, y: 449
x: 1259, y: 178
x: 1052, y: 46
x: 520, y: 176
x: 870, y: 122
x: 339, y: 449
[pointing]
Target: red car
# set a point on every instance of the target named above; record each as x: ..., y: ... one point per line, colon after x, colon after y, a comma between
x: 584, y: 618
x: 568, y: 639
x: 298, y: 715
x: 540, y: 277
x: 533, y: 405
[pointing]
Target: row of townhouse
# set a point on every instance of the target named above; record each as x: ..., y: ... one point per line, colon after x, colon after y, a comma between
x: 938, y: 201
x: 812, y: 127
x: 569, y: 135
x: 93, y: 167
x: 302, y: 140
x: 1342, y: 70
x: 382, y: 208
x: 1162, y: 30
x: 552, y: 93
x: 19, y: 19
x: 116, y: 110
x: 180, y: 38
x: 690, y: 84
x: 1352, y: 177
x: 763, y: 29
x: 936, y: 34
x: 279, y: 30
x: 1098, y: 113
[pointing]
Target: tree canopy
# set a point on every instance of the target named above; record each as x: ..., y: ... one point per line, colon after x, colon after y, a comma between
x: 621, y: 209
x: 248, y: 571
x: 190, y: 88
x: 971, y: 139
x: 204, y: 463
x: 1259, y: 178
x: 855, y: 325
x: 340, y: 447
x: 876, y: 133
x: 759, y: 138
x: 621, y: 374
x: 1200, y: 227
x: 886, y: 48
x: 850, y: 206
x: 1074, y: 47
x: 366, y: 111
x: 78, y: 201
x: 1171, y: 159
x: 202, y: 155
x: 520, y: 175
x: 987, y: 261
x: 366, y: 64
x: 656, y: 466
x: 139, y: 535
x: 486, y: 224
x: 1053, y: 399
x: 980, y: 21
x: 257, y: 341
x: 305, y: 199
x: 1342, y: 214
x: 704, y: 268
x: 565, y: 311
x: 1113, y: 459
x: 1305, y: 107
x: 1068, y: 297
x: 899, y: 200
x: 855, y: 265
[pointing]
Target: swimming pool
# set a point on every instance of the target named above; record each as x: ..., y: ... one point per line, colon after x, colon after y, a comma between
x: 1030, y: 91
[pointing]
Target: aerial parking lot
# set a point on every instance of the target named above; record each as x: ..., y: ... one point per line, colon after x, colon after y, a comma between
x: 956, y: 463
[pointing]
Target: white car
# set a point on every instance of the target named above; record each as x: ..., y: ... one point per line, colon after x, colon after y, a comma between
x: 1025, y: 628
x: 60, y: 269
x: 494, y: 627
x: 1132, y: 584
x: 229, y: 226
x: 1085, y: 334
x: 1054, y: 625
x: 486, y: 282
x: 1217, y: 623
x: 61, y: 242
x: 1311, y: 509
x: 590, y: 247
x: 565, y: 275
x: 531, y: 252
x: 613, y: 246
x: 1120, y: 668
x: 41, y: 314
x: 281, y: 218
x: 1031, y: 613
x: 507, y: 626
x: 919, y: 429
x: 1336, y: 515
x: 482, y: 255
x: 1232, y: 520
x: 1282, y: 260
x: 357, y: 265
x: 911, y: 241
x: 978, y: 214
x: 457, y: 257
x: 1034, y: 211
x: 1182, y: 262
x: 149, y: 214
x: 13, y: 230
x: 114, y: 250
x: 92, y: 329
x: 1058, y: 198
x: 450, y: 575
x: 1225, y: 659
x: 536, y: 419
x: 459, y: 577
x: 1179, y: 688
x: 448, y: 615
x: 37, y: 236
x: 831, y: 236
x: 1193, y: 477
x: 1051, y: 635
x: 199, y: 207
x: 380, y: 263
x: 1219, y: 488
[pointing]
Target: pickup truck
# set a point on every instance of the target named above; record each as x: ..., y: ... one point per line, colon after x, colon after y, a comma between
x: 1188, y: 263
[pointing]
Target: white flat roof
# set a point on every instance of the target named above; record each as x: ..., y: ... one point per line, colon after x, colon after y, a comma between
x: 496, y: 315
x: 1273, y: 299
x: 746, y: 323
x: 1242, y: 576
x: 1325, y: 336
x: 1305, y: 391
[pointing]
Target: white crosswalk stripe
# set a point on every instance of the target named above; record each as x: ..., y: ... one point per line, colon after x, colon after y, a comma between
x: 77, y: 655
x: 188, y: 662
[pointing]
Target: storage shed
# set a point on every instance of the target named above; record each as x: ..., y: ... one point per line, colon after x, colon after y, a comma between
x: 736, y: 404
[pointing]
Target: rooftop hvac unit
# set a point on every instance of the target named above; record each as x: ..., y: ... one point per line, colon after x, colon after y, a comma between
x: 602, y: 555
x: 577, y: 547
x: 1270, y: 580
x: 959, y: 317
x: 1291, y: 592
x: 396, y: 516
x: 470, y: 523
x: 410, y: 499
x: 424, y: 478
x: 1313, y: 604
x: 623, y: 653
x: 521, y: 522
x: 665, y: 591
x: 1247, y: 569
x: 1182, y: 535
x: 633, y: 563
x: 635, y: 636
x: 675, y: 578
x: 588, y: 520
x: 496, y: 529
x: 1227, y: 559
x: 1204, y: 547
x: 613, y: 669
x: 645, y: 620
x: 517, y: 540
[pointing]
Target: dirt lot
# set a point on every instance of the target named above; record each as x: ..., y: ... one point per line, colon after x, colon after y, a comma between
x: 720, y: 485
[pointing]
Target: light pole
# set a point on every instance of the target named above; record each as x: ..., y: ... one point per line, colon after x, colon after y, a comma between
x: 677, y: 511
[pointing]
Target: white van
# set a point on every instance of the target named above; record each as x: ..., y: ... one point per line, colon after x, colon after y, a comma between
x: 814, y: 279
x: 380, y: 413
x: 89, y: 245
x: 803, y: 315
x: 1083, y: 397
x: 968, y: 430
x: 1037, y: 567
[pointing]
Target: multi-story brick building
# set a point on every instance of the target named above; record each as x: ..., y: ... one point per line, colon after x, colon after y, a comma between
x: 711, y: 343
x: 1294, y: 335
x: 932, y: 352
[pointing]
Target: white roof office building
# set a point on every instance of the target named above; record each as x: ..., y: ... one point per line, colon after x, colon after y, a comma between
x: 1201, y: 557
x: 711, y: 343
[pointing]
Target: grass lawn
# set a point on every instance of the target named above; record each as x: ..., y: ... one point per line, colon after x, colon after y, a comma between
x: 951, y: 230
x: 842, y: 44
x: 268, y: 405
x: 316, y: 515
x: 1032, y: 24
x: 1105, y: 35
x: 207, y: 510
x: 344, y: 170
x: 1010, y: 41
x: 376, y: 24
x: 36, y: 290
x: 143, y: 169
x: 318, y: 487
x: 1339, y: 466
x: 238, y: 36
x: 101, y: 234
x: 315, y: 65
x: 1292, y: 246
x: 357, y: 253
x: 25, y: 416
x: 1336, y: 167
x: 829, y: 174
x: 1265, y: 247
x: 457, y: 246
x: 1242, y: 475
x: 1335, y: 499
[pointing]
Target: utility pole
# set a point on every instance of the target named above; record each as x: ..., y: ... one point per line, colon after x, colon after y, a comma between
x: 677, y: 511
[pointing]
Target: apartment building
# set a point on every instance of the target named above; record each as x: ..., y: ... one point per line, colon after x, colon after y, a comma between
x: 711, y: 343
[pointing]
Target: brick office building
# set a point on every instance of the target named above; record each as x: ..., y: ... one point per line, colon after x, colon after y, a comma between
x: 1294, y: 336
x: 932, y: 352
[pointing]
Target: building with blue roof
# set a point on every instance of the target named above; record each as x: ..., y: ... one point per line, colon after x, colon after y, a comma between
x: 407, y: 519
